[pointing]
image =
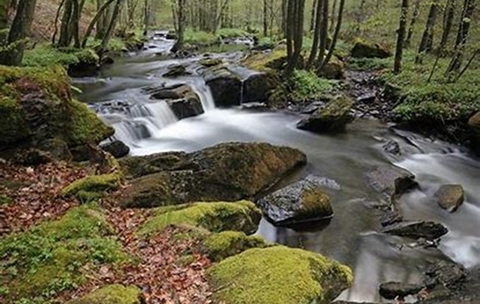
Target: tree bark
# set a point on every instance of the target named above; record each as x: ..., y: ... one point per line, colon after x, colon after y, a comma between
x: 18, y: 32
x: 111, y: 27
x: 180, y: 25
x: 427, y: 37
x: 397, y: 67
x: 94, y: 21
x: 416, y: 13
x: 316, y: 33
x: 335, y: 35
x: 447, y: 22
x: 323, y: 33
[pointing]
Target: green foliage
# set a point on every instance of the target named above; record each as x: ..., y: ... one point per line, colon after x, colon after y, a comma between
x: 200, y: 38
x: 231, y: 33
x: 5, y: 199
x: 306, y: 86
x: 53, y: 256
x: 370, y: 64
x: 216, y: 217
x: 46, y: 56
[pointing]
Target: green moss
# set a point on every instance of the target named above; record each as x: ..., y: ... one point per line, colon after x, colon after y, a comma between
x: 84, y: 126
x: 111, y: 294
x: 278, y: 275
x: 47, y: 56
x: 93, y: 184
x: 216, y: 217
x: 5, y: 199
x: 305, y: 86
x: 315, y: 202
x: 220, y: 246
x: 210, y: 62
x: 62, y: 116
x: 265, y: 62
x: 87, y: 56
x: 52, y: 257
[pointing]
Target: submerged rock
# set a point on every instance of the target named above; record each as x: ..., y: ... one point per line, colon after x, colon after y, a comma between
x: 112, y: 294
x: 240, y: 216
x: 176, y: 71
x: 363, y: 49
x: 226, y: 172
x: 393, y: 290
x: 415, y: 230
x: 278, y: 275
x: 332, y: 118
x: 302, y: 201
x: 450, y: 197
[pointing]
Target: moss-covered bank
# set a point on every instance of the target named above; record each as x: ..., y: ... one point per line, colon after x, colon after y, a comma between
x: 111, y: 294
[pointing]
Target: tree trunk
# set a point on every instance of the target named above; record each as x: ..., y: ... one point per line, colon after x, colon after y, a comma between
x: 323, y: 33
x: 4, y: 6
x: 335, y: 35
x: 94, y: 21
x: 65, y: 34
x: 313, y: 15
x: 18, y: 32
x: 397, y: 68
x: 316, y: 33
x: 462, y: 35
x: 447, y: 23
x: 416, y: 12
x: 427, y: 38
x: 332, y: 17
x: 265, y: 18
x: 180, y: 25
x: 111, y: 27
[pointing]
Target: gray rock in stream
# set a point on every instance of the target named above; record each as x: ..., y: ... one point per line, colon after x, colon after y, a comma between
x: 393, y: 290
x: 225, y: 85
x: 303, y: 201
x: 415, y: 230
x: 391, y: 180
x: 181, y: 98
x: 450, y: 197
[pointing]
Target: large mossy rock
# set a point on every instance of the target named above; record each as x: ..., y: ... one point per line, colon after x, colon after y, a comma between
x: 112, y: 294
x: 332, y: 118
x: 226, y: 172
x: 37, y: 105
x: 181, y: 98
x: 88, y: 64
x: 474, y: 124
x: 226, y: 86
x: 363, y: 49
x: 213, y: 216
x: 300, y: 202
x: 278, y: 275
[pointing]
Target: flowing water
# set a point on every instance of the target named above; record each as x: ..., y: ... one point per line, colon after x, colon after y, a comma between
x: 351, y: 237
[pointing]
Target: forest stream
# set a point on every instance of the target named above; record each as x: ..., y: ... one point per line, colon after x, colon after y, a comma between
x: 352, y: 236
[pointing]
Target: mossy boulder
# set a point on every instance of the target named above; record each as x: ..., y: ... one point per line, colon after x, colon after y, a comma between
x: 303, y: 201
x: 93, y: 184
x: 176, y: 71
x: 181, y: 98
x: 363, y: 49
x: 334, y: 69
x: 474, y: 124
x: 215, y: 217
x: 112, y: 294
x: 220, y: 246
x: 53, y: 257
x: 87, y: 64
x: 226, y: 172
x: 210, y: 62
x: 333, y: 118
x: 278, y: 275
x: 36, y: 105
x: 266, y: 61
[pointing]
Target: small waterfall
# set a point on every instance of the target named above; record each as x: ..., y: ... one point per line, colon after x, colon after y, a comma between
x: 203, y: 91
x: 241, y: 90
x: 133, y: 122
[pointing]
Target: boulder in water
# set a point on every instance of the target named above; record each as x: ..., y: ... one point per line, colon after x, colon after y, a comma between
x: 415, y: 230
x: 278, y: 275
x: 226, y: 86
x: 363, y: 49
x: 88, y: 64
x: 210, y: 62
x: 117, y: 148
x: 391, y: 181
x: 303, y: 201
x: 331, y: 119
x: 450, y: 197
x: 176, y: 71
x: 226, y: 172
x: 394, y: 290
x: 181, y: 98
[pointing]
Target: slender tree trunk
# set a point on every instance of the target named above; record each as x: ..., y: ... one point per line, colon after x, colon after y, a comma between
x: 111, y: 27
x: 181, y: 25
x: 313, y: 15
x: 462, y: 35
x: 397, y: 68
x: 18, y: 32
x: 57, y: 16
x: 332, y: 17
x: 416, y: 13
x: 4, y: 6
x: 94, y: 21
x: 323, y: 33
x: 316, y: 33
x: 65, y: 34
x: 427, y: 38
x: 335, y: 35
x: 265, y: 18
x: 447, y: 22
